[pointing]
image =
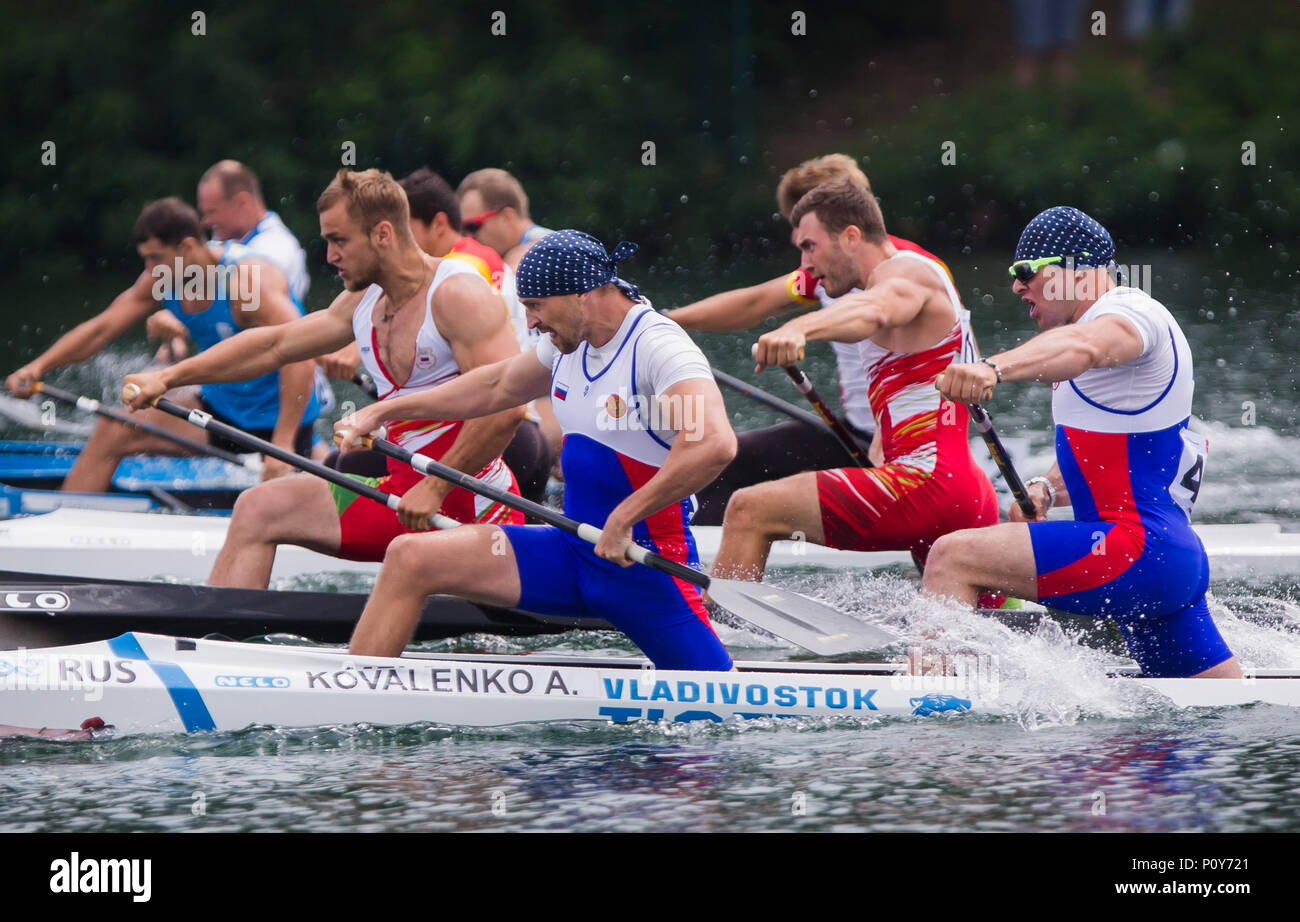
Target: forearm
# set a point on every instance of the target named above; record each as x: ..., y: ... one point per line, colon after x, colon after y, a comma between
x: 1056, y: 355
x: 726, y: 312
x: 249, y: 354
x: 476, y: 393
x: 482, y: 440
x: 689, y: 468
x: 296, y: 383
x: 852, y: 319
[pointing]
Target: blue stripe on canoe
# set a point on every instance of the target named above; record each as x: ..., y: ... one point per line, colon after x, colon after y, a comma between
x: 189, y: 703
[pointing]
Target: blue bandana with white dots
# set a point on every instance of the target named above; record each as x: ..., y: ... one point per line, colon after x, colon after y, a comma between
x: 570, y: 262
x: 1062, y: 231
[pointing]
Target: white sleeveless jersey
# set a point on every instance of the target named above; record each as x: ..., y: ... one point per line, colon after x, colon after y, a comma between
x: 1122, y: 440
x: 614, y: 438
x: 434, y: 363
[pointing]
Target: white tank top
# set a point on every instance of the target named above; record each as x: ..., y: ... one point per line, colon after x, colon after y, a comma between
x: 434, y: 362
x: 870, y: 353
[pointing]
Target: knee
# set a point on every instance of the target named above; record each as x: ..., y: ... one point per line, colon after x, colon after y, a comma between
x: 407, y: 559
x: 746, y: 509
x: 259, y: 507
x: 944, y: 554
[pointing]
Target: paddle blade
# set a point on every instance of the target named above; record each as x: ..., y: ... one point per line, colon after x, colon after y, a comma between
x: 803, y: 621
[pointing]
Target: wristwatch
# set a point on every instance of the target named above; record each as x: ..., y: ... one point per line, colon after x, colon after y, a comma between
x: 1047, y: 485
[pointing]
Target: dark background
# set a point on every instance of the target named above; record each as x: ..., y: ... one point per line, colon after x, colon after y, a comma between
x: 1144, y: 134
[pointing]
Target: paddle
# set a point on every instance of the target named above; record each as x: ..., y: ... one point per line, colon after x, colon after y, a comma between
x: 837, y: 428
x: 803, y: 621
x: 205, y: 422
x: 1003, y: 461
x: 769, y: 400
x: 94, y: 406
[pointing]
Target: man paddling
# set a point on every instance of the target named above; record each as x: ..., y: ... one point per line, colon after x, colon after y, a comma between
x: 909, y: 325
x: 644, y: 428
x: 209, y: 293
x: 1121, y: 374
x: 787, y: 448
x: 420, y: 322
x: 435, y: 224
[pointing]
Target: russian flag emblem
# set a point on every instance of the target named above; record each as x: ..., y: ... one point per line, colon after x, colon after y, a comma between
x: 561, y: 391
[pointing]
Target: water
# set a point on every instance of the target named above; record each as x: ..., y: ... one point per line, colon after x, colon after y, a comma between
x: 1068, y: 751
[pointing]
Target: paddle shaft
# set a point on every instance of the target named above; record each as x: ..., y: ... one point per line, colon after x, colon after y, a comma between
x: 205, y: 422
x: 768, y: 400
x: 589, y: 533
x: 838, y: 429
x: 94, y: 406
x: 1003, y: 461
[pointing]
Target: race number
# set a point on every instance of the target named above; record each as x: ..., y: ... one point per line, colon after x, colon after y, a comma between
x: 1186, y: 485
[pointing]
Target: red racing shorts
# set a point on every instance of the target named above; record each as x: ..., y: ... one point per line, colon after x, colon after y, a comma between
x: 901, y: 506
x: 367, y: 528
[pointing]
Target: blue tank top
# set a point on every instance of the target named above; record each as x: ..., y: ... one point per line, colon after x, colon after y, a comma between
x: 252, y: 404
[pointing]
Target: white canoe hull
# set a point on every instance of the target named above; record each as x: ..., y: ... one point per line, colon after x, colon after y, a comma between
x: 118, y: 545
x: 146, y: 683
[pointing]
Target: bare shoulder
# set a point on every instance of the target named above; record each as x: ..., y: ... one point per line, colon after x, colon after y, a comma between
x: 460, y: 287
x: 904, y: 270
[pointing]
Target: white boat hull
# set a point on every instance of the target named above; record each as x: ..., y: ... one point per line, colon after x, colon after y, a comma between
x: 118, y: 545
x: 146, y: 683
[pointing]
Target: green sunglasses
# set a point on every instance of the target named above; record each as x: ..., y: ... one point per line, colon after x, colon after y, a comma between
x: 1026, y: 269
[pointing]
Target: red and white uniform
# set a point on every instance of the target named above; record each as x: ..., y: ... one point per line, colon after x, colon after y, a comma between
x: 367, y: 527
x: 929, y: 484
x: 854, y: 398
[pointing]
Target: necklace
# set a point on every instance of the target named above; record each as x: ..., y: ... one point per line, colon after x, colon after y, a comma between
x: 390, y: 312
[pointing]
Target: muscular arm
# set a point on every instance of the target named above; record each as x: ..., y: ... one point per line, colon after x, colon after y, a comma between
x: 738, y: 309
x: 892, y: 302
x: 1067, y: 352
x: 487, y: 389
x: 468, y: 314
x: 88, y: 338
x: 705, y: 444
x: 255, y: 351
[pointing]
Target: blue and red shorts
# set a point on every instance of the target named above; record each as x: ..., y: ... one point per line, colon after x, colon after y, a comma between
x: 1150, y: 581
x: 560, y: 574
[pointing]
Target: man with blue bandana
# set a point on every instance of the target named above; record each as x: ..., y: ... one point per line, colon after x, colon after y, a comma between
x: 1121, y: 375
x: 644, y: 428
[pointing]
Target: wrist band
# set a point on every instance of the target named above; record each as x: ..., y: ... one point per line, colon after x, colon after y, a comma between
x: 996, y: 370
x: 1047, y: 485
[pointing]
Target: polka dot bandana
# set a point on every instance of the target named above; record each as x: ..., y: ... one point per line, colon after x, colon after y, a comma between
x: 569, y: 262
x: 1061, y: 231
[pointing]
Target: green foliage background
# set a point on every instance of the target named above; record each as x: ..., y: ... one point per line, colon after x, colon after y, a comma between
x: 138, y: 106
